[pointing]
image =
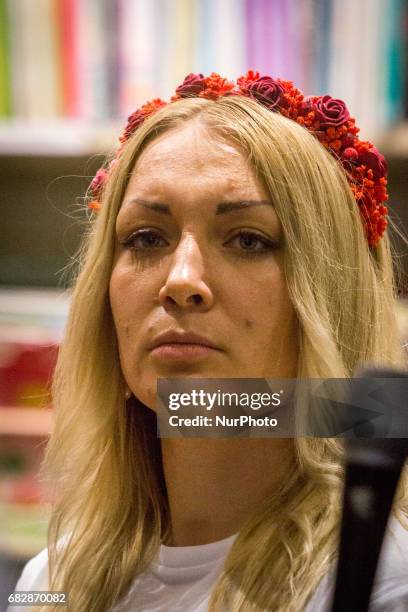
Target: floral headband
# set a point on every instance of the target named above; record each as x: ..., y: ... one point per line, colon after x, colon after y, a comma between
x: 325, y: 117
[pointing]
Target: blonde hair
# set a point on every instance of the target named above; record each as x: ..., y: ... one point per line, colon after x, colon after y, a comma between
x: 104, y: 461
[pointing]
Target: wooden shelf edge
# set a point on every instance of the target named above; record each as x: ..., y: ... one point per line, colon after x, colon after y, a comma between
x: 394, y: 143
x: 66, y: 137
x: 58, y: 137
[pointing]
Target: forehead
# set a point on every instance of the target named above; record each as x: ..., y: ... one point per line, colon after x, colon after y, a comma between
x: 190, y: 172
x: 192, y: 153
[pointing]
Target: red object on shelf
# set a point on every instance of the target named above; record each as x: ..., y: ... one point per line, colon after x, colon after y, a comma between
x: 25, y: 373
x: 26, y: 422
x: 26, y: 491
x: 20, y: 460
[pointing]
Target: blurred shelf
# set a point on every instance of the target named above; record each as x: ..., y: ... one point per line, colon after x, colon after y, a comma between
x: 73, y: 137
x: 58, y: 137
x: 25, y: 421
x: 394, y: 143
x: 23, y: 529
x: 33, y: 315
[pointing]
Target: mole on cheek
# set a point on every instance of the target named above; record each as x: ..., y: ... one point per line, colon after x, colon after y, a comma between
x: 249, y: 323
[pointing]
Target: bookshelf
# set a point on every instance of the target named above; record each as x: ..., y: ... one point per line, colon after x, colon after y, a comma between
x: 394, y: 142
x: 31, y: 327
x: 23, y: 518
x: 23, y: 530
x: 70, y: 138
x: 31, y: 322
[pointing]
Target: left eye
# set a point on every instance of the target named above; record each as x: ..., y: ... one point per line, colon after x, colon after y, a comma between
x: 250, y: 241
x: 145, y: 239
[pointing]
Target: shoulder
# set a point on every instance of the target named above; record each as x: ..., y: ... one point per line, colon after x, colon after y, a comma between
x: 395, y: 550
x: 391, y: 585
x: 390, y: 592
x: 35, y: 574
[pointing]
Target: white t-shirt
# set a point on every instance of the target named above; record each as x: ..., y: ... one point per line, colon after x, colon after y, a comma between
x: 181, y: 578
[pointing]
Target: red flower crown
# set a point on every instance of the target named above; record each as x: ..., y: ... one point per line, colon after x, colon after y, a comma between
x: 325, y: 117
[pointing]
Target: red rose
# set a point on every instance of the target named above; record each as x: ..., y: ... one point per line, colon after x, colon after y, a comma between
x: 374, y: 160
x: 330, y: 112
x: 192, y: 85
x: 307, y: 105
x: 348, y: 140
x: 267, y: 91
x: 137, y: 118
x: 246, y: 79
x: 350, y: 154
x: 98, y: 182
x: 134, y: 120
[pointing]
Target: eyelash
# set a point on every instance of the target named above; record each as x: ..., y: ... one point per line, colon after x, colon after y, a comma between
x: 268, y: 245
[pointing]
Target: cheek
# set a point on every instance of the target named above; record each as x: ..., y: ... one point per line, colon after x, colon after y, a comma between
x: 126, y: 303
x: 129, y: 290
x: 117, y: 299
x: 264, y: 313
x: 259, y: 301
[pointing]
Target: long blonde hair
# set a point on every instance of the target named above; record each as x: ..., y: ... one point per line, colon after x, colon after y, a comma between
x: 103, y: 461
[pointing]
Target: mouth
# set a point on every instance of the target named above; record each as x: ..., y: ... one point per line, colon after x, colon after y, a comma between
x: 182, y: 345
x: 182, y: 351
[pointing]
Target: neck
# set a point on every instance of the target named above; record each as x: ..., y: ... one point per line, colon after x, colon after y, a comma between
x: 215, y: 485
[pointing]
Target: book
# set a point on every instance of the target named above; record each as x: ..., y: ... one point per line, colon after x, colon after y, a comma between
x: 142, y: 48
x: 34, y: 59
x: 67, y: 24
x: 5, y: 85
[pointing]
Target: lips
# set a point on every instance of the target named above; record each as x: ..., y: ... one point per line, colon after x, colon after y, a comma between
x: 180, y: 337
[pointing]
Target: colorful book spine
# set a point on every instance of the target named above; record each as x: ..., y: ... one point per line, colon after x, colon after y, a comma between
x: 139, y: 45
x: 92, y: 65
x: 68, y: 32
x: 112, y: 58
x: 219, y: 48
x: 298, y: 42
x: 183, y: 36
x: 5, y: 84
x: 35, y: 46
x: 206, y: 20
x: 17, y: 58
x: 178, y: 32
x: 322, y: 18
x: 394, y: 32
x: 253, y: 18
x: 273, y: 31
x: 369, y: 88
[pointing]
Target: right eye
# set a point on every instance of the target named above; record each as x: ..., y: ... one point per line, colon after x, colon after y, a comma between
x: 145, y: 240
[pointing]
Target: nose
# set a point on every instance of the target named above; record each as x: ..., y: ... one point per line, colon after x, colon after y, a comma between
x: 185, y: 286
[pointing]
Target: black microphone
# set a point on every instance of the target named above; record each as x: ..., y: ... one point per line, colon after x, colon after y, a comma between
x: 373, y: 469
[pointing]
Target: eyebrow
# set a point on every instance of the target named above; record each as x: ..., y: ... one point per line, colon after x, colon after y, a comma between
x: 222, y: 208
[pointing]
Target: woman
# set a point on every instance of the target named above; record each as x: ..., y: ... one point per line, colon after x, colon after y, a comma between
x: 240, y: 233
